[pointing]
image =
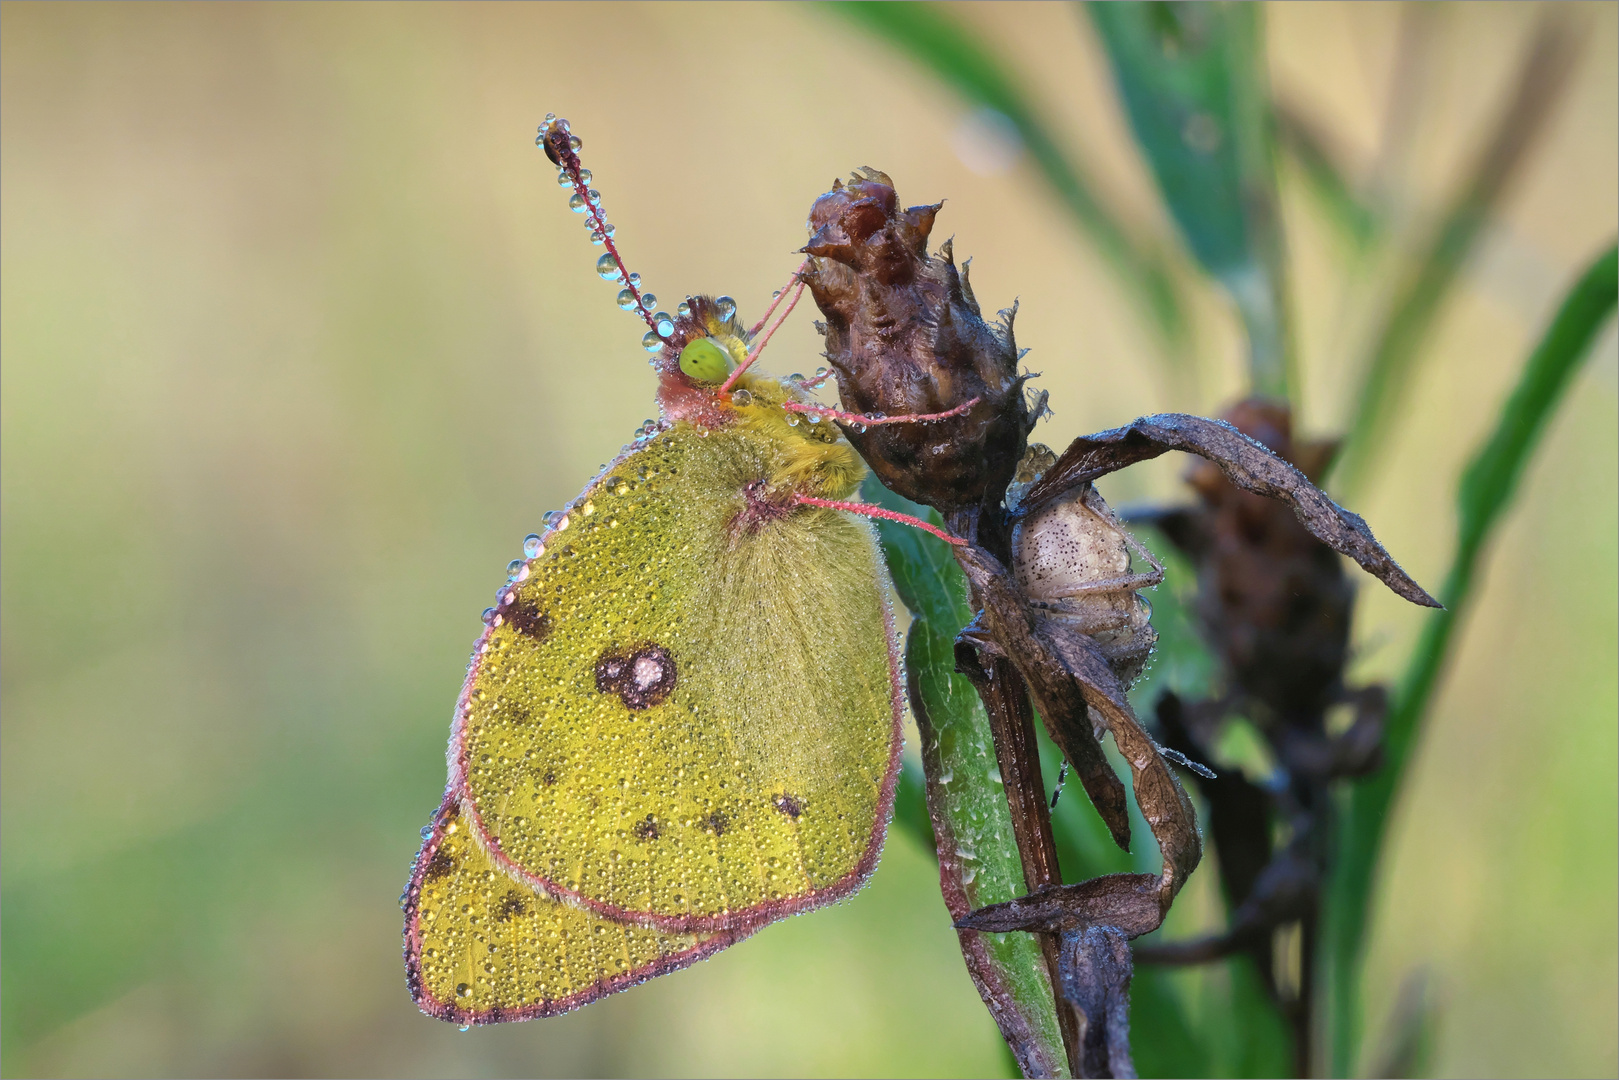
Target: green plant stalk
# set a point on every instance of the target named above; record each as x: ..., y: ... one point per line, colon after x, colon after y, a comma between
x: 964, y: 63
x: 1485, y: 491
x: 1192, y: 79
x: 1419, y: 299
x: 1267, y: 315
x: 971, y: 824
x: 1310, y: 150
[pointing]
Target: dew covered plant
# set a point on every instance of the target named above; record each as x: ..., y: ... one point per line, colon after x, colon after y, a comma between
x: 1268, y: 606
x: 1059, y: 629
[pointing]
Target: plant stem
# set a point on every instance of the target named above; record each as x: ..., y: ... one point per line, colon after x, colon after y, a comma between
x: 1017, y: 756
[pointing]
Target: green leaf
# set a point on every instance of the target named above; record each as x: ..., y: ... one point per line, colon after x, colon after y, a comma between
x: 966, y: 63
x: 1485, y: 491
x: 972, y: 825
x: 1192, y: 79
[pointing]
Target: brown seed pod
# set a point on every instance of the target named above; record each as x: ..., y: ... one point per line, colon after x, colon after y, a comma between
x: 905, y: 337
x: 1273, y: 600
x: 1071, y: 560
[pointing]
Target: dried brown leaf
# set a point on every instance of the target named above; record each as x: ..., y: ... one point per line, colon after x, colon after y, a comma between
x: 1246, y: 463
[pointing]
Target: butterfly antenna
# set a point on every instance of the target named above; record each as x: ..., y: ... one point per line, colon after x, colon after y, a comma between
x: 562, y: 146
x: 797, y: 291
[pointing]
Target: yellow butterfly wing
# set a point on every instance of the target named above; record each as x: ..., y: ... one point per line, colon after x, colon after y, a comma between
x: 481, y: 948
x: 686, y: 713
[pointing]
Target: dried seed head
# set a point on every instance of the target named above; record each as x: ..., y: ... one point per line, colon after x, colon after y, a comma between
x: 905, y: 338
x: 1273, y: 599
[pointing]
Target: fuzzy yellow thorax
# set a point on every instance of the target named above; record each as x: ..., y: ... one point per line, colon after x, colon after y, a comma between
x: 816, y: 459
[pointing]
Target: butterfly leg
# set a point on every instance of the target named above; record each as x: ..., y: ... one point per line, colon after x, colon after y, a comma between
x: 868, y: 510
x: 861, y: 420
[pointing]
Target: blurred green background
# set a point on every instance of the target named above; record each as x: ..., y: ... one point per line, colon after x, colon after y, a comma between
x: 299, y: 341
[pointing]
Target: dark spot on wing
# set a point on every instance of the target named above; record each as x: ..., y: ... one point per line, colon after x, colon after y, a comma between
x: 549, y: 778
x: 525, y: 616
x: 511, y: 904
x: 789, y: 805
x: 642, y: 677
x: 717, y: 823
x: 645, y: 830
x: 438, y: 866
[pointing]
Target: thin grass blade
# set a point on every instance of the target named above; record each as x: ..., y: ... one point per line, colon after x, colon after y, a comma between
x: 941, y: 45
x: 1193, y: 83
x: 1485, y: 492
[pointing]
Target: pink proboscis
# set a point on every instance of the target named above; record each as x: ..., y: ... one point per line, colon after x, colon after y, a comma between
x: 753, y: 353
x: 874, y: 421
x: 867, y: 510
x: 776, y: 300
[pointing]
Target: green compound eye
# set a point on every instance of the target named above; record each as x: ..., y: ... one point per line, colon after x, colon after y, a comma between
x: 705, y: 361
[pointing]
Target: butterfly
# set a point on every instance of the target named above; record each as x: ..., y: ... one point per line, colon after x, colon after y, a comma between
x: 682, y: 720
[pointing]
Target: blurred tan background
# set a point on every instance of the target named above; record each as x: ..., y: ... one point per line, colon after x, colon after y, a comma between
x: 299, y: 340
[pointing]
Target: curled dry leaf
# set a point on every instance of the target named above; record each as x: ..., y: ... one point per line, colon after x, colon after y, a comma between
x: 1247, y: 464
x: 1069, y: 675
x: 1094, y: 972
x: 1067, y: 719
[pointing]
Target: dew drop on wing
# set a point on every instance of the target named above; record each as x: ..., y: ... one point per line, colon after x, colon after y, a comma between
x: 532, y: 546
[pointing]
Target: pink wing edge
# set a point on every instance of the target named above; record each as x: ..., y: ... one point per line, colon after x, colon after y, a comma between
x: 455, y: 1014
x: 731, y: 928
